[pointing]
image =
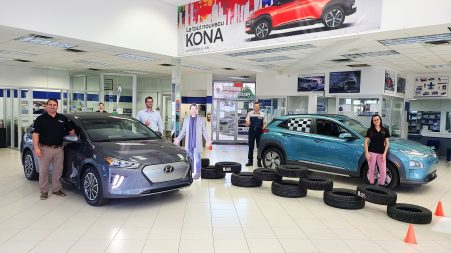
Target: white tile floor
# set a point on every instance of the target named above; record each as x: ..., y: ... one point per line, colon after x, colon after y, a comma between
x: 210, y: 216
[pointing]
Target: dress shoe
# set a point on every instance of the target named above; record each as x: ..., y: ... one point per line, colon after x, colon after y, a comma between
x: 44, y: 195
x: 60, y: 193
x: 259, y: 163
x: 249, y: 163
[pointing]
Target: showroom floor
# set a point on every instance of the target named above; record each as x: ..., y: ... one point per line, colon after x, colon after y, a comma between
x: 211, y: 216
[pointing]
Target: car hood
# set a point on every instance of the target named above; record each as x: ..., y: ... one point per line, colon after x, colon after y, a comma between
x: 408, y: 145
x: 143, y: 151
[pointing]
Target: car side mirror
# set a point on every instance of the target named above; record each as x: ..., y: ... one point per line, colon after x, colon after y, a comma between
x: 347, y: 136
x: 71, y: 138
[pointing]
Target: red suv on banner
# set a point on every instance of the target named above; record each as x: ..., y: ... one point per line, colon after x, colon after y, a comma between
x: 290, y: 13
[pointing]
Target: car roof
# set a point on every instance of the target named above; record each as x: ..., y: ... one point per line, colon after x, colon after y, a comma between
x: 94, y: 115
x: 318, y: 116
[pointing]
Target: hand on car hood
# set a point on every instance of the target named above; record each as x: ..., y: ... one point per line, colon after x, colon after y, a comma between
x: 143, y: 151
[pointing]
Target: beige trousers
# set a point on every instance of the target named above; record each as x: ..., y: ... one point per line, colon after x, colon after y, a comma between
x: 55, y: 157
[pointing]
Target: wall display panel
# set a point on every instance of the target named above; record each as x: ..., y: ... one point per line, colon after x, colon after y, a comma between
x: 234, y: 90
x: 311, y: 83
x: 431, y: 86
x: 401, y: 84
x: 344, y: 82
x: 390, y: 78
x: 220, y: 25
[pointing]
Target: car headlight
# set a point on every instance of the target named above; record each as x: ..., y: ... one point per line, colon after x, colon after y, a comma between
x: 413, y: 153
x: 416, y: 164
x: 122, y: 164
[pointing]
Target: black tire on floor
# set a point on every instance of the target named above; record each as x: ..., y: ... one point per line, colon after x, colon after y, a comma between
x: 316, y: 183
x: 205, y: 162
x: 245, y: 179
x: 288, y: 189
x: 343, y: 198
x: 292, y: 171
x: 228, y: 167
x: 267, y: 175
x: 409, y: 213
x: 210, y: 172
x: 377, y: 195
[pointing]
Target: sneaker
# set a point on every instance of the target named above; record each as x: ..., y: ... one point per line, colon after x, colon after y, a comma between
x: 44, y: 195
x: 249, y: 163
x: 60, y: 193
x: 259, y: 163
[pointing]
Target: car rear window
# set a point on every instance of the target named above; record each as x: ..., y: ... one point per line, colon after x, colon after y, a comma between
x: 302, y: 125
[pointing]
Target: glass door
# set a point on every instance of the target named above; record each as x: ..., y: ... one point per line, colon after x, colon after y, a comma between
x: 229, y: 119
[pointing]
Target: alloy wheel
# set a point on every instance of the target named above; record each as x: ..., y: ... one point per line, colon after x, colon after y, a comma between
x: 272, y: 160
x: 91, y: 186
x: 28, y: 164
x: 334, y: 18
x: 262, y: 30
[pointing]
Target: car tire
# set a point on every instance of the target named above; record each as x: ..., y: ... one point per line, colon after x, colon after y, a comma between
x: 377, y: 195
x: 205, y: 162
x: 262, y: 28
x: 409, y: 213
x: 245, y: 179
x: 29, y: 166
x: 228, y: 167
x: 272, y: 158
x: 267, y: 175
x: 392, y: 176
x: 316, y: 183
x: 210, y: 172
x: 292, y: 171
x: 92, y: 187
x: 343, y: 199
x: 333, y: 17
x: 288, y: 189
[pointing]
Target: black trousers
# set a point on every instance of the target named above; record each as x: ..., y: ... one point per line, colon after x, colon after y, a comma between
x: 254, y: 136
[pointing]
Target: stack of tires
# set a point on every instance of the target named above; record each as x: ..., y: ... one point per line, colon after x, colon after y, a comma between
x: 218, y: 170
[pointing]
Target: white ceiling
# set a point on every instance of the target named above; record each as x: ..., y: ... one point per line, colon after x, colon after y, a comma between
x: 412, y: 58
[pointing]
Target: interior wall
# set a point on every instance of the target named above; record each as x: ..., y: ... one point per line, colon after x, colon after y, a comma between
x: 12, y: 76
x: 143, y: 25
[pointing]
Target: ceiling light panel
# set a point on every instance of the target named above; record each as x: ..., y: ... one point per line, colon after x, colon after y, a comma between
x: 416, y: 39
x: 137, y: 57
x: 439, y: 66
x: 272, y: 50
x: 38, y: 40
x: 269, y: 66
x: 87, y: 62
x: 371, y: 54
x: 198, y: 67
x: 273, y: 58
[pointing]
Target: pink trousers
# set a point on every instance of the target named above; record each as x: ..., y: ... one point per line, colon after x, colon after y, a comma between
x: 381, y: 164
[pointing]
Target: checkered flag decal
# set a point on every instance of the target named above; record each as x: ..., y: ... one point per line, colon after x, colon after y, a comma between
x: 300, y: 125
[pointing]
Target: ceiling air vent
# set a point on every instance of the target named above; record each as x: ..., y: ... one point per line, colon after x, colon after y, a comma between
x: 93, y: 69
x: 438, y: 42
x: 342, y: 60
x: 229, y: 69
x: 41, y: 36
x: 22, y: 60
x: 166, y: 65
x: 74, y: 50
x: 358, y: 65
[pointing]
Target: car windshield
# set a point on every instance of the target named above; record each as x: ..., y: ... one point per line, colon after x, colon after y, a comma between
x: 115, y: 128
x: 354, y: 125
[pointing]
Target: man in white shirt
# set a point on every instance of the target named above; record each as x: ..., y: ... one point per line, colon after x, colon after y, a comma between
x: 150, y: 117
x: 256, y: 121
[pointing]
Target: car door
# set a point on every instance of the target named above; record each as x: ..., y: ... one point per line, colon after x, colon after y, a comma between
x: 286, y: 11
x: 74, y: 154
x: 297, y: 137
x: 331, y: 150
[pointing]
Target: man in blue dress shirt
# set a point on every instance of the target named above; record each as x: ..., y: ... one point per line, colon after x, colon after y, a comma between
x: 150, y: 117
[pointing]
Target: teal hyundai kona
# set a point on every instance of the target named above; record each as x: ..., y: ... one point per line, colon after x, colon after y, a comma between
x: 335, y: 144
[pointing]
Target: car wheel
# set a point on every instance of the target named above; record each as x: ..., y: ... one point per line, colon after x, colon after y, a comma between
x: 92, y: 187
x: 333, y: 17
x: 391, y: 179
x: 29, y: 167
x: 272, y: 158
x: 262, y: 29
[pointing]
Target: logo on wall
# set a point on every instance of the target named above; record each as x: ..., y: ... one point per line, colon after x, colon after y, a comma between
x: 344, y: 82
x: 219, y: 25
x: 431, y: 86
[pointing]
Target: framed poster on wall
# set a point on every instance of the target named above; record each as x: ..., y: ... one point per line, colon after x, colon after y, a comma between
x: 344, y: 82
x: 431, y: 86
x: 401, y: 85
x: 389, y: 86
x: 311, y: 83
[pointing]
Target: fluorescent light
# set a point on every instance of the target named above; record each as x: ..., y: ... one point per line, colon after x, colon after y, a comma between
x: 198, y: 67
x: 135, y: 72
x: 269, y: 66
x: 439, y: 66
x: 272, y: 58
x: 371, y: 54
x: 416, y: 39
x: 238, y: 77
x: 87, y: 62
x: 271, y: 50
x: 32, y: 39
x: 136, y: 57
x: 55, y: 68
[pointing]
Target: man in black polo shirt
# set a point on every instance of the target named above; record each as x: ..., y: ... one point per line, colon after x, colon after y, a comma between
x: 49, y: 130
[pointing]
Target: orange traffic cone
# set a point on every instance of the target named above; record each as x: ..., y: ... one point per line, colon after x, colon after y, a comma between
x: 410, y: 237
x: 439, y: 210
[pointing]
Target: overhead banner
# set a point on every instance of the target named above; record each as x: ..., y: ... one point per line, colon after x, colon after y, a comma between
x: 208, y: 26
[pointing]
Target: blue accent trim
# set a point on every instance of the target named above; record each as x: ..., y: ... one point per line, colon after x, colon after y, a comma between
x: 209, y: 99
x: 112, y: 98
x: 46, y: 95
x: 194, y: 100
x: 92, y: 97
x: 78, y: 96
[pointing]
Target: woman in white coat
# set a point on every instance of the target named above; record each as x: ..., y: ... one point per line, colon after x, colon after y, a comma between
x: 194, y: 128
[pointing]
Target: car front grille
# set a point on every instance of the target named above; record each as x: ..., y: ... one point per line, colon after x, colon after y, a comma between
x: 166, y: 172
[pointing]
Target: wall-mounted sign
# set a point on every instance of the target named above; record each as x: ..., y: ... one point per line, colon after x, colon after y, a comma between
x: 220, y: 25
x: 344, y: 82
x: 390, y: 78
x: 311, y: 83
x: 431, y: 86
x: 234, y: 90
x: 401, y: 85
